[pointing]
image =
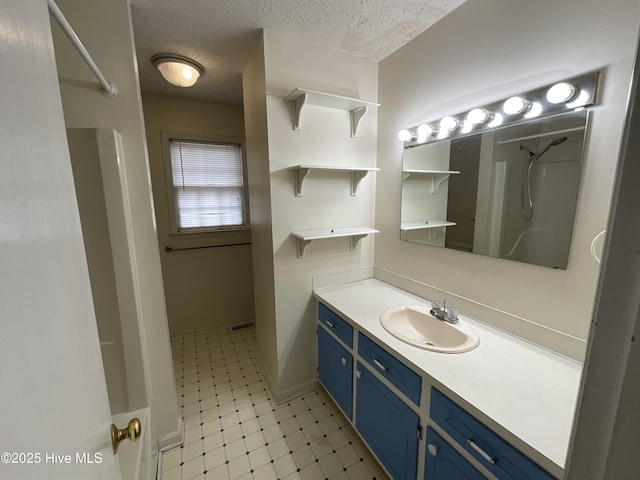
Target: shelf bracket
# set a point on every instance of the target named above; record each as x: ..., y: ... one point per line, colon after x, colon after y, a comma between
x: 355, y: 239
x: 356, y: 116
x: 302, y: 245
x: 298, y: 103
x: 301, y: 174
x: 435, y: 184
x: 356, y: 178
x: 434, y: 232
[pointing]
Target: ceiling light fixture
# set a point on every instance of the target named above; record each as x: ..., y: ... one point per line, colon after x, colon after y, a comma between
x: 178, y: 70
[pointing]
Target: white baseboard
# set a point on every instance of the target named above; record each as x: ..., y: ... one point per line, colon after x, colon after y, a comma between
x: 295, y: 392
x: 216, y: 323
x: 167, y: 442
x: 265, y: 373
x: 289, y: 394
x: 173, y: 439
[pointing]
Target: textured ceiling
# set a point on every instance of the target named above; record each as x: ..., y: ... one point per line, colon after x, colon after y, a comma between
x: 220, y: 34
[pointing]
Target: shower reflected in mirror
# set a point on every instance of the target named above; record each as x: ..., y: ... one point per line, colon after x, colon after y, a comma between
x: 526, y: 180
x: 508, y: 193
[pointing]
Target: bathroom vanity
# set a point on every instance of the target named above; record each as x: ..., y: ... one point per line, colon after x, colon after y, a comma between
x: 501, y: 411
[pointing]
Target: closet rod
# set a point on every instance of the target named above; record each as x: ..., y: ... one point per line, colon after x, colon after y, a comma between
x: 108, y: 89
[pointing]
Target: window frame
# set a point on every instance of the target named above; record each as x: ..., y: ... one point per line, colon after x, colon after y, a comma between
x: 166, y: 138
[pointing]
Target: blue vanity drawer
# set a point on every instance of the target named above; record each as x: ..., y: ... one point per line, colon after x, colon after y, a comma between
x: 499, y: 457
x: 405, y: 379
x: 338, y: 326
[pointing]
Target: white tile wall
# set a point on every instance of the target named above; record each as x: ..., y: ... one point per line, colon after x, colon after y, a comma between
x: 234, y: 429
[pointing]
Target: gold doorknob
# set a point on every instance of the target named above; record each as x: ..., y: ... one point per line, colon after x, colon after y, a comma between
x: 131, y: 431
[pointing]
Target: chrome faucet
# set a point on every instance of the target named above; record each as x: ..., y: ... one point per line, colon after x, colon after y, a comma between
x: 449, y: 315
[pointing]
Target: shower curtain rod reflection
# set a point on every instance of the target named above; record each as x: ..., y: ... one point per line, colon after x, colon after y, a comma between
x: 170, y: 249
x: 107, y: 89
x: 540, y: 135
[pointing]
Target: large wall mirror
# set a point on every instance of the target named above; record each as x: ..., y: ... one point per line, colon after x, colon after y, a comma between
x: 508, y: 192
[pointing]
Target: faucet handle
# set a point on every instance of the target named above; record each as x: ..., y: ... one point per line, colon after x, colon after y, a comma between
x: 435, y: 305
x: 452, y: 315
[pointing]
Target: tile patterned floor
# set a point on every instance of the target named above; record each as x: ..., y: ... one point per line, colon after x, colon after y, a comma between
x: 234, y: 429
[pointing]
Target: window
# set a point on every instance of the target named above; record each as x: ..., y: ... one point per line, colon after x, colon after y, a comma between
x: 207, y: 185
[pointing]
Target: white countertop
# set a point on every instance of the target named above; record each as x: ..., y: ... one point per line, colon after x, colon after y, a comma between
x: 529, y: 391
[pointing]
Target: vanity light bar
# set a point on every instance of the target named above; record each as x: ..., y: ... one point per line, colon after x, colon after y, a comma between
x: 570, y: 94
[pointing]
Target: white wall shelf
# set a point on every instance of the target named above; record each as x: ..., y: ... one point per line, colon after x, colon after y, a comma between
x: 305, y: 237
x: 433, y: 227
x: 357, y: 174
x: 437, y: 176
x: 356, y: 107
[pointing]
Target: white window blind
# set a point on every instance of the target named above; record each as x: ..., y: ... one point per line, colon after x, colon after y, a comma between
x: 208, y: 185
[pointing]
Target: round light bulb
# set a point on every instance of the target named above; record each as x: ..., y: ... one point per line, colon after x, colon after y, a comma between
x: 581, y: 101
x: 478, y: 115
x: 424, y: 132
x: 467, y: 126
x: 449, y: 123
x: 515, y: 105
x: 560, y: 92
x: 534, y: 111
x: 496, y: 121
x: 405, y: 135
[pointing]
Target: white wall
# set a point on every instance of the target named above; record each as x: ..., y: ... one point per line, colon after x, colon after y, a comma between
x: 605, y: 439
x: 53, y: 391
x: 205, y: 287
x: 324, y: 139
x: 90, y: 194
x: 482, y: 52
x: 105, y: 29
x: 254, y: 91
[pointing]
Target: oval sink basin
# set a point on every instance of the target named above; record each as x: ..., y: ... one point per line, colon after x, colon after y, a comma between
x: 416, y: 326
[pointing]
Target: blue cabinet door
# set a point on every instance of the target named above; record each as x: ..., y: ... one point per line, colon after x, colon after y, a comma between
x: 335, y: 371
x: 444, y: 463
x: 388, y: 425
